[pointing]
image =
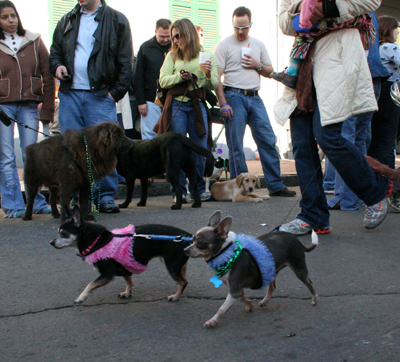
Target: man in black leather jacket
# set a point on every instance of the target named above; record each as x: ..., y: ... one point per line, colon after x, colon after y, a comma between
x: 92, y: 56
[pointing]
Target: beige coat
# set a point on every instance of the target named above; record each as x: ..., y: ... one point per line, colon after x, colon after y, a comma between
x: 340, y: 70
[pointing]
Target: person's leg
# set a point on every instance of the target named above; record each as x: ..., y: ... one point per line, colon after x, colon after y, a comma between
x: 12, y: 201
x: 343, y: 195
x: 70, y: 110
x: 28, y: 114
x: 96, y: 110
x: 384, y: 126
x: 147, y: 123
x: 314, y: 208
x: 180, y: 124
x: 329, y: 177
x: 234, y: 132
x: 201, y: 141
x: 350, y: 163
x: 264, y: 137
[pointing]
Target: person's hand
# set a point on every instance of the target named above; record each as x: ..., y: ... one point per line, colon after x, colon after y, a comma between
x: 143, y: 109
x: 226, y: 112
x: 60, y: 71
x: 249, y: 62
x: 207, y: 66
x: 186, y: 75
x: 317, y: 13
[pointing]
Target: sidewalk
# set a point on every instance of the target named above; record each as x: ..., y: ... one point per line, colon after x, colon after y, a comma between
x: 162, y: 188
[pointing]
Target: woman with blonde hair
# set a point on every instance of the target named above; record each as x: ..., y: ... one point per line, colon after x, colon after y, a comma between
x: 185, y: 109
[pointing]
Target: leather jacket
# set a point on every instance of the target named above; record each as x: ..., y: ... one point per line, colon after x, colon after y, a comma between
x: 110, y: 63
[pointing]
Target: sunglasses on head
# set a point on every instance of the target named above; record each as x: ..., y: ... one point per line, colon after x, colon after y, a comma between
x: 242, y: 27
x: 176, y: 36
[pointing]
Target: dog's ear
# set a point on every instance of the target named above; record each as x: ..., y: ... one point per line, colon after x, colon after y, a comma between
x: 76, y: 216
x: 223, y: 227
x: 258, y: 182
x: 215, y: 219
x: 239, y: 179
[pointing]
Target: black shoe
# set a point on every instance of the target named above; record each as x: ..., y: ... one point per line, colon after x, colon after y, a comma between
x: 285, y: 192
x: 287, y: 79
x: 110, y: 207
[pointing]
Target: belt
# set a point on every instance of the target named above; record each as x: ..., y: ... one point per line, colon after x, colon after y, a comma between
x: 246, y: 92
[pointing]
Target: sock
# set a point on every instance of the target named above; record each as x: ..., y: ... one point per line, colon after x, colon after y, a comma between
x: 293, y: 67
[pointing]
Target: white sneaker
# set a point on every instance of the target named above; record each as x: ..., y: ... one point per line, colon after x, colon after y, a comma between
x: 375, y: 214
x: 296, y: 227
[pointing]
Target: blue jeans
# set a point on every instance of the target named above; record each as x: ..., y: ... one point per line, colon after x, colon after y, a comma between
x: 11, y: 197
x: 183, y: 123
x: 80, y: 109
x: 251, y: 111
x: 329, y: 176
x: 357, y: 130
x: 348, y: 160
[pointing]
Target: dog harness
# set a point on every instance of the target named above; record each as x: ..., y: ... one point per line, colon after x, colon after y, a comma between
x: 257, y: 250
x: 120, y: 249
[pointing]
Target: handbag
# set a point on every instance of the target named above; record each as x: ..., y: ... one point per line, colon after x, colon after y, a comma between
x: 161, y: 95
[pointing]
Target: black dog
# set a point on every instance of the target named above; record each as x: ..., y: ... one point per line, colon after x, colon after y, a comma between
x: 96, y: 243
x: 255, y: 266
x: 169, y: 153
x: 61, y: 164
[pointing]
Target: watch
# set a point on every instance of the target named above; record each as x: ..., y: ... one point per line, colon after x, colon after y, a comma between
x: 259, y: 69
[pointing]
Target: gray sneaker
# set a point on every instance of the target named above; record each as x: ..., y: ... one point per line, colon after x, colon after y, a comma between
x: 296, y: 227
x: 375, y: 214
x: 394, y: 200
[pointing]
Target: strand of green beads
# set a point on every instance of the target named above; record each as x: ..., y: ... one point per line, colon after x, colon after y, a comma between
x: 91, y: 181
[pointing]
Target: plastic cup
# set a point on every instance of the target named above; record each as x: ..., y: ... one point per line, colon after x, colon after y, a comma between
x: 203, y: 57
x: 247, y: 51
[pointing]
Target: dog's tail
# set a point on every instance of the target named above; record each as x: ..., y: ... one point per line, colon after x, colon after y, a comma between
x: 314, y: 242
x: 201, y: 151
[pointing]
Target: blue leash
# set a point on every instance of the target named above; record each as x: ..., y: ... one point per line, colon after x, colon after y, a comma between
x: 178, y: 238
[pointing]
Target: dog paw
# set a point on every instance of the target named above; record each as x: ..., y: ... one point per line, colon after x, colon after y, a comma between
x: 259, y: 200
x: 314, y: 300
x: 56, y: 216
x: 79, y: 300
x: 124, y: 295
x: 89, y: 218
x: 175, y: 207
x: 263, y: 304
x: 196, y: 205
x: 211, y: 323
x: 141, y: 203
x: 26, y: 218
x: 172, y: 298
x: 123, y: 205
x: 249, y: 307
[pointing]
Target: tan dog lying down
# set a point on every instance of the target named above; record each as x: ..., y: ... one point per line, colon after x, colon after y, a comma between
x: 239, y: 189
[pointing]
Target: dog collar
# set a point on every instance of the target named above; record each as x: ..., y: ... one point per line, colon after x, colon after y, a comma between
x: 221, y: 271
x: 87, y: 251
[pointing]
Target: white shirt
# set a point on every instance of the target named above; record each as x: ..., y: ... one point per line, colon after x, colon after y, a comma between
x: 13, y: 41
x: 84, y: 47
x: 228, y: 55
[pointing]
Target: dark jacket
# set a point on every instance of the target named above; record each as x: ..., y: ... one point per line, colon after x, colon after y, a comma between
x: 150, y: 58
x: 110, y: 64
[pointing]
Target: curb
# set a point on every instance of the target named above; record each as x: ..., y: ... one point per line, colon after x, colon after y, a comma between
x: 163, y: 188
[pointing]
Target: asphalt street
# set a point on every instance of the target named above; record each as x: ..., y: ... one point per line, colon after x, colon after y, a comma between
x: 355, y: 272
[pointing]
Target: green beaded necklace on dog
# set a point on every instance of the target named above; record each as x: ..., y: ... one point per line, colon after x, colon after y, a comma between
x: 91, y: 181
x: 229, y: 264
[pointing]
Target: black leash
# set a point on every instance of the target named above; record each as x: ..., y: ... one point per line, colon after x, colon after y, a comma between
x: 8, y: 120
